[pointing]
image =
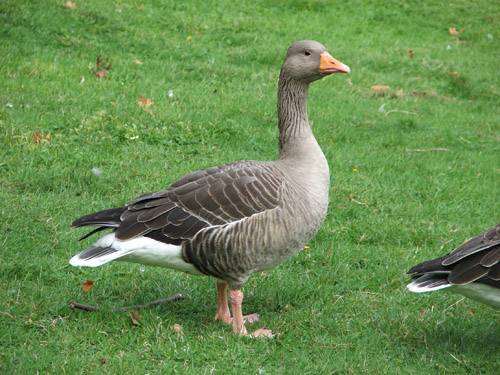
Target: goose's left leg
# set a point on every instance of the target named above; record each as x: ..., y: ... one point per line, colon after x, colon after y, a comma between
x: 239, y: 320
x: 236, y: 302
x: 223, y: 314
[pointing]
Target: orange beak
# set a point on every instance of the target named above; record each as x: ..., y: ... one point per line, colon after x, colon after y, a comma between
x: 328, y: 65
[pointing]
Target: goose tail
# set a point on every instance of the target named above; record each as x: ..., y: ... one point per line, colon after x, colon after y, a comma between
x: 428, y: 283
x: 102, y: 252
x: 107, y: 218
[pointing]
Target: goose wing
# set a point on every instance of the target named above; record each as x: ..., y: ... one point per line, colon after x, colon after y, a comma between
x: 477, y: 259
x: 201, y: 199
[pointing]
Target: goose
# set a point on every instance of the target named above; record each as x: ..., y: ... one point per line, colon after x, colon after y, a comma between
x: 231, y: 221
x: 472, y: 269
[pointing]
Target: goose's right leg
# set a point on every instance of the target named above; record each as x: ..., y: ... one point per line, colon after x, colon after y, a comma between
x: 222, y: 313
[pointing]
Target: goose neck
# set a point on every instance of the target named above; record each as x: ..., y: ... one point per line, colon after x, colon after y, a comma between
x: 293, y: 122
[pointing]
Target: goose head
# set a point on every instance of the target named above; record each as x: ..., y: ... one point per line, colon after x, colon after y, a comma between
x: 308, y: 61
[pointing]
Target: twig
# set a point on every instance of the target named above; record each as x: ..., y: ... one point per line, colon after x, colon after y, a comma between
x: 90, y: 308
x: 455, y: 358
x: 358, y: 202
x: 81, y: 306
x: 399, y: 111
x: 456, y: 303
x: 7, y: 314
x: 436, y: 149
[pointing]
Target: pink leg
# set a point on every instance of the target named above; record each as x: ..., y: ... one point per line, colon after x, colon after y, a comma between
x: 239, y: 320
x: 236, y: 302
x: 222, y: 313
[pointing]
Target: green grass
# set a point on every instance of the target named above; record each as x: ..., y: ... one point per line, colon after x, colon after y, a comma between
x: 338, y: 307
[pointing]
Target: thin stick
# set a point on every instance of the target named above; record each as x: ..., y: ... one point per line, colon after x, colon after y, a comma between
x: 436, y: 149
x: 81, y: 306
x: 399, y: 111
x: 90, y: 308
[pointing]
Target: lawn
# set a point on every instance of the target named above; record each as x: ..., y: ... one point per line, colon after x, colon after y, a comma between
x: 187, y: 85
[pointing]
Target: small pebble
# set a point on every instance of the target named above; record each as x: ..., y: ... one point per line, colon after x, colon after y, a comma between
x: 97, y: 172
x: 177, y: 328
x: 170, y: 93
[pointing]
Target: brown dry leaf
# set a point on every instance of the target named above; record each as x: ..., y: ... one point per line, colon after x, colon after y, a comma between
x: 87, y: 286
x: 102, y: 66
x: 380, y: 89
x: 398, y: 94
x: 137, y: 62
x: 39, y: 137
x: 453, y: 31
x: 411, y: 53
x: 455, y: 75
x: 144, y: 102
x: 101, y: 73
x: 70, y: 4
x: 177, y: 328
x: 135, y: 317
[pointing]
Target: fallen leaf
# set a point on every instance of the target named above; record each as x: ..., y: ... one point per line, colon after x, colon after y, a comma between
x: 380, y: 89
x: 455, y: 75
x: 70, y: 4
x: 453, y: 31
x: 39, y: 137
x: 144, y: 102
x: 177, y: 328
x: 103, y: 360
x: 87, y: 286
x: 102, y: 66
x: 411, y: 53
x: 135, y: 317
x: 397, y: 94
x: 101, y: 73
x: 137, y: 62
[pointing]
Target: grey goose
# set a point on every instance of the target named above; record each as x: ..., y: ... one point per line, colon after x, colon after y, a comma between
x: 472, y: 269
x: 230, y: 221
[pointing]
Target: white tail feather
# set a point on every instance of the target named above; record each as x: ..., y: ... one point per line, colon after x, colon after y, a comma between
x: 142, y: 250
x: 416, y: 287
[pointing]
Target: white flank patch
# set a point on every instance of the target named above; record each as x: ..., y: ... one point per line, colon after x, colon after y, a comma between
x: 142, y: 250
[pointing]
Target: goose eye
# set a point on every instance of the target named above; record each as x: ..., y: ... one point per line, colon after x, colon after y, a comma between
x: 307, y: 53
